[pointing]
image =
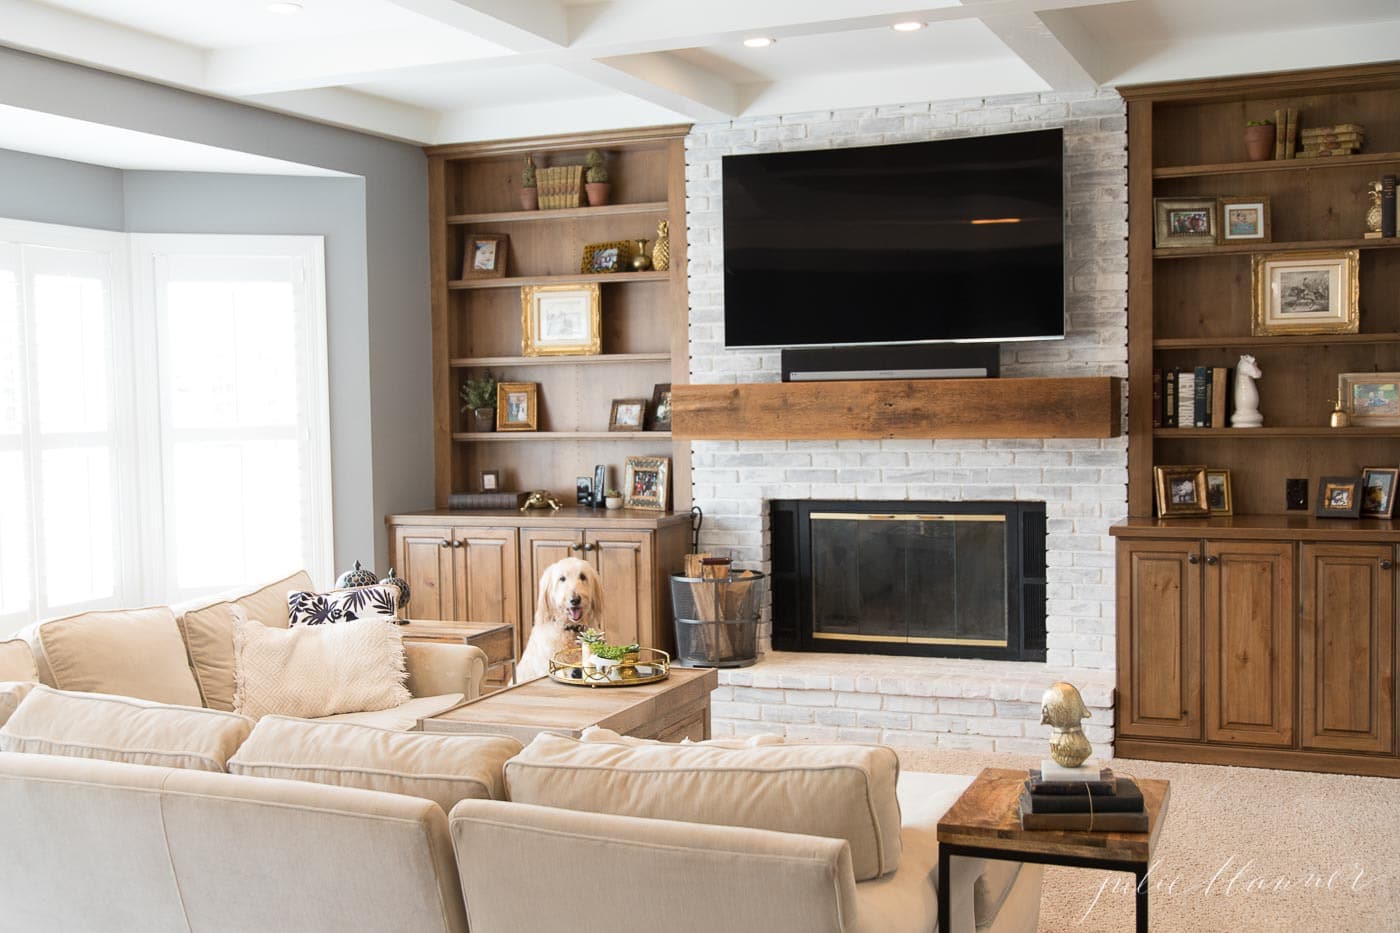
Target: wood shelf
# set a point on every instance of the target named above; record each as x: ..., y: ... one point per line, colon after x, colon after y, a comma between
x: 1275, y: 165
x: 567, y: 213
x: 897, y: 408
x: 1272, y: 343
x: 1236, y: 249
x: 576, y: 279
x: 496, y: 437
x: 1290, y: 431
x: 1290, y: 526
x: 469, y: 362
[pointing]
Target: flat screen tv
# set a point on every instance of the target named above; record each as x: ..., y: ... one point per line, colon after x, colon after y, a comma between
x: 948, y: 240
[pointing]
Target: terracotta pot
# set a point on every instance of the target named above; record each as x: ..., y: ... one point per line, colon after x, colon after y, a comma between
x: 484, y: 418
x: 597, y: 192
x: 529, y: 199
x: 1259, y: 142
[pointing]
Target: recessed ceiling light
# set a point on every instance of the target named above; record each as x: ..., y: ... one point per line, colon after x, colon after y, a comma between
x: 284, y: 6
x: 759, y: 42
x: 910, y: 26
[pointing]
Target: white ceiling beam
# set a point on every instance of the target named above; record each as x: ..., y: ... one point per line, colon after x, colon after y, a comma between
x: 667, y: 81
x: 354, y: 110
x: 518, y: 25
x: 579, y: 115
x: 71, y: 37
x: 1067, y: 57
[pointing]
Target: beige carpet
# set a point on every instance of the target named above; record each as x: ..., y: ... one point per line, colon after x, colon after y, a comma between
x: 1243, y: 850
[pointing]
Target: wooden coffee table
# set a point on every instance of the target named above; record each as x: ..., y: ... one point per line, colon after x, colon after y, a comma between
x: 497, y: 639
x: 671, y: 709
x: 986, y: 823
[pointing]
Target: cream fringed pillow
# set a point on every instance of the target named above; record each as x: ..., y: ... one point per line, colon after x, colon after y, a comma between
x: 309, y: 671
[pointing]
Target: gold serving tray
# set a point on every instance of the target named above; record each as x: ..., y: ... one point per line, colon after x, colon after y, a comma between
x: 651, y: 665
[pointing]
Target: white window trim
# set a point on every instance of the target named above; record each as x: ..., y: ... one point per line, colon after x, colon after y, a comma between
x: 148, y: 249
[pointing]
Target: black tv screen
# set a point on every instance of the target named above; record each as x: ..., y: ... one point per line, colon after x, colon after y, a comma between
x: 956, y: 239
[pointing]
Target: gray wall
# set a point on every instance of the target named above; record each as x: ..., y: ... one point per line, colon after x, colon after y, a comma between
x: 377, y: 260
x: 55, y: 191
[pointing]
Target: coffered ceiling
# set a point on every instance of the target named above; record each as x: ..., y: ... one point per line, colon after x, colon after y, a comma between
x: 434, y: 71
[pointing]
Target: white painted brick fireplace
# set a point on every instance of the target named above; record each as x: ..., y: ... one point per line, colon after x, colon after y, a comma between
x: 954, y: 703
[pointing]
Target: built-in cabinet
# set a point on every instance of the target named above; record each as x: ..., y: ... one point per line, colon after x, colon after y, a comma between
x: 486, y: 566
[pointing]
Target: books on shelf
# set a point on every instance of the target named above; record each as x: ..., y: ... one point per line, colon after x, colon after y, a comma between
x: 1087, y: 822
x: 467, y: 501
x: 1101, y: 783
x: 1125, y: 798
x: 1097, y: 801
x: 1192, y: 397
x: 1337, y: 139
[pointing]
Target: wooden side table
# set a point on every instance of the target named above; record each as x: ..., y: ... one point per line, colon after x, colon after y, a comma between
x: 497, y: 639
x: 986, y: 823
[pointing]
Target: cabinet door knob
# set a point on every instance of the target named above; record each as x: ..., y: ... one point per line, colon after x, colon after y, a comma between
x: 1193, y: 558
x: 576, y: 547
x: 458, y: 544
x: 1387, y: 563
x: 1212, y: 560
x: 444, y: 543
x: 588, y: 547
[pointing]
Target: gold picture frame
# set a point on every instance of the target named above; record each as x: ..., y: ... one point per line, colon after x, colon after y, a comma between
x: 605, y: 257
x: 1244, y: 219
x: 485, y: 256
x: 647, y: 484
x: 1181, y: 491
x: 1220, y: 497
x: 1371, y: 399
x: 517, y: 406
x: 1184, y: 222
x: 561, y: 320
x: 1378, y: 491
x: 1338, y: 497
x: 1306, y: 292
x: 628, y: 414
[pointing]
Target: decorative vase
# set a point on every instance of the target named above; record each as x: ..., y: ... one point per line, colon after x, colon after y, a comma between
x: 641, y: 262
x: 484, y: 419
x: 661, y: 251
x: 612, y: 502
x: 400, y: 584
x: 1340, y: 417
x: 597, y: 192
x: 529, y: 199
x: 1259, y: 142
x: 357, y: 577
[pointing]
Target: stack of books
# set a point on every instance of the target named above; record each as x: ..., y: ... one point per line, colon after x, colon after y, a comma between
x: 1335, y: 140
x: 1083, y: 799
x: 1192, y: 397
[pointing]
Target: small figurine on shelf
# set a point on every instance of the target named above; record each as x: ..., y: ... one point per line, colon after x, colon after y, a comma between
x: 661, y: 251
x: 1246, y: 395
x: 529, y: 194
x: 1063, y: 709
x: 1340, y: 417
x: 541, y: 499
x: 596, y: 181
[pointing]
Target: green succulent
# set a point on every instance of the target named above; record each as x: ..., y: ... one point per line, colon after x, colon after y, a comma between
x: 597, y: 171
x: 527, y: 174
x: 479, y: 393
x: 1260, y: 123
x: 613, y: 652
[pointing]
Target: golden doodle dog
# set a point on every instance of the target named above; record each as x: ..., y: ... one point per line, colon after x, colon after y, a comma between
x: 570, y: 601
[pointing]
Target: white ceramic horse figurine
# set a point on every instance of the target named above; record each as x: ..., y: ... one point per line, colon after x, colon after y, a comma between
x: 1246, y: 395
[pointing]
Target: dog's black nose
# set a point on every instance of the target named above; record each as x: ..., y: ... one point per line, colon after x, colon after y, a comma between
x: 574, y: 601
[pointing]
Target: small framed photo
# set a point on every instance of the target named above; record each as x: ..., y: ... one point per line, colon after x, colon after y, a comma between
x: 517, y: 406
x: 1184, y: 222
x: 1378, y: 491
x: 1372, y: 399
x: 660, y: 407
x: 1181, y: 491
x: 485, y: 256
x: 490, y: 480
x: 561, y: 320
x: 1218, y: 494
x: 647, y: 483
x: 605, y: 257
x: 1339, y: 497
x: 627, y: 414
x: 1244, y: 220
x: 1305, y: 292
x: 583, y: 491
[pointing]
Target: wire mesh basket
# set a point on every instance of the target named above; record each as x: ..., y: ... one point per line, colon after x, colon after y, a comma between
x: 717, y: 619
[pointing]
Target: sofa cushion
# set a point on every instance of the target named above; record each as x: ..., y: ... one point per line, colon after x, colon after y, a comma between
x: 12, y: 693
x: 443, y: 768
x: 128, y: 652
x: 318, y: 670
x: 400, y: 718
x: 208, y: 634
x: 113, y: 728
x: 347, y: 605
x: 840, y: 791
x: 17, y: 661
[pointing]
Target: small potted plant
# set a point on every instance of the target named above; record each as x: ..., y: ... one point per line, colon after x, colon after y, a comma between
x: 479, y: 397
x: 596, y: 179
x: 529, y: 194
x: 1259, y: 140
x: 612, y: 499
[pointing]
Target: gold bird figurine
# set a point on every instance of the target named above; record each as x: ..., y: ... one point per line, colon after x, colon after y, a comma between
x: 1062, y: 709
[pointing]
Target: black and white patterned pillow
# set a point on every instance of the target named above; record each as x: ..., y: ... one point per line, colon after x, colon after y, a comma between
x: 361, y: 602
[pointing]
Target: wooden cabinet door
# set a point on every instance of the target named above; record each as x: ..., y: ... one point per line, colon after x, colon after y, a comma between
x: 486, y: 575
x: 1159, y: 638
x: 540, y: 547
x: 1346, y: 683
x: 1249, y: 642
x: 625, y: 561
x: 423, y: 557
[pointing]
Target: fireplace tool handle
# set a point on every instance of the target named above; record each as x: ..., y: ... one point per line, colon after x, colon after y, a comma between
x: 697, y: 518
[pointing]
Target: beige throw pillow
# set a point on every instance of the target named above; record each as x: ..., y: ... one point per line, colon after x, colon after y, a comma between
x: 128, y: 652
x: 12, y: 693
x: 17, y: 661
x: 208, y: 634
x: 442, y: 768
x: 840, y: 791
x: 317, y: 670
x: 112, y: 728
